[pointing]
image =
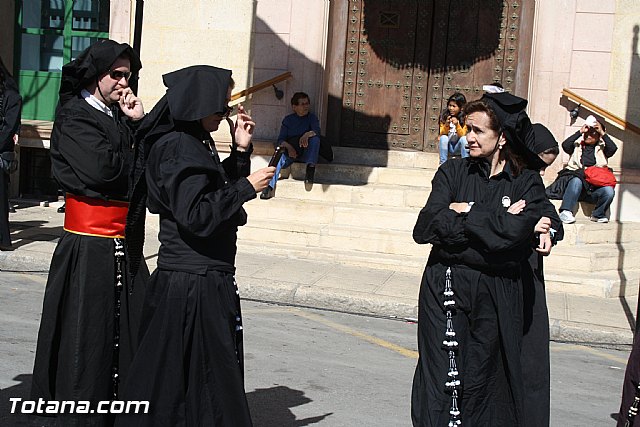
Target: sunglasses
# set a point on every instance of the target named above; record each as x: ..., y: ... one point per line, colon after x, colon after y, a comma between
x: 117, y: 75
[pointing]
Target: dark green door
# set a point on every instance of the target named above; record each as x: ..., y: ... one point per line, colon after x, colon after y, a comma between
x: 52, y: 33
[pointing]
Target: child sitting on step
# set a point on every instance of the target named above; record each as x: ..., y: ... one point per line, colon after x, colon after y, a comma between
x: 452, y: 129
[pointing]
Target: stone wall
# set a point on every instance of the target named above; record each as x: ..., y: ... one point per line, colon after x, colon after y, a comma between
x: 258, y: 40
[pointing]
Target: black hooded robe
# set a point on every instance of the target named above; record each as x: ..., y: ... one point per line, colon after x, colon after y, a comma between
x: 10, y: 113
x: 91, y: 156
x: 190, y: 361
x: 484, y: 250
x: 536, y: 369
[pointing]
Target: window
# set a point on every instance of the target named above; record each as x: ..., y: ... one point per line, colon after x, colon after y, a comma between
x: 52, y: 33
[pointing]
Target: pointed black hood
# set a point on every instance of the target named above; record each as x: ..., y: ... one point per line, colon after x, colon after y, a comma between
x: 196, y: 92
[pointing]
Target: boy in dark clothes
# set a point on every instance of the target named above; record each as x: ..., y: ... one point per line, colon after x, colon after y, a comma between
x: 300, y: 135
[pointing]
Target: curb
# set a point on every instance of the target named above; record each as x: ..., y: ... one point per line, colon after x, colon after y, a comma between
x: 24, y: 262
x: 588, y: 334
x: 346, y: 301
x: 279, y: 292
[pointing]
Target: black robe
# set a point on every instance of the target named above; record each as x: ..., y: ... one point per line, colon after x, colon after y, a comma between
x: 190, y: 361
x: 484, y: 250
x: 630, y: 386
x: 90, y: 155
x: 10, y: 113
x: 534, y: 357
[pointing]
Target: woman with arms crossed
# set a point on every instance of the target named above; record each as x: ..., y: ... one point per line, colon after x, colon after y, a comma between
x: 480, y: 218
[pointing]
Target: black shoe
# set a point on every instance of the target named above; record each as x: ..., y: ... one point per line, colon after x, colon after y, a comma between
x: 12, y: 209
x: 61, y: 209
x: 311, y: 171
x: 267, y: 193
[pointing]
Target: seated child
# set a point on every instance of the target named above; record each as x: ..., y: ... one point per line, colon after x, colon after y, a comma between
x: 452, y: 130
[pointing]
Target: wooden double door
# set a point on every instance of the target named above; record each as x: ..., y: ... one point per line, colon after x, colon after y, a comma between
x: 404, y: 58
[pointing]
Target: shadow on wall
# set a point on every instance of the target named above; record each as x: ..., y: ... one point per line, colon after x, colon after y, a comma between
x: 632, y: 150
x: 462, y: 40
x: 630, y: 159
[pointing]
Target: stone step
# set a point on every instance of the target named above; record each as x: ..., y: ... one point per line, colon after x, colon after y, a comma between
x: 339, y: 173
x: 343, y: 238
x: 395, y: 159
x: 585, y: 232
x: 297, y: 211
x: 385, y: 262
x: 398, y: 210
x: 594, y: 257
x: 369, y: 195
x: 606, y: 284
x: 382, y: 217
x: 571, y: 258
x: 363, y: 206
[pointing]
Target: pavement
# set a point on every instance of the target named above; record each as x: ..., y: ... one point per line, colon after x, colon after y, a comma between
x: 261, y: 276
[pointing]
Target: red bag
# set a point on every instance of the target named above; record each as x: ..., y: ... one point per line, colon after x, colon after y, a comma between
x: 600, y: 176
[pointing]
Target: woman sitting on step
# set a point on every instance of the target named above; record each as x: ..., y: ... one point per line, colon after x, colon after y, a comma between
x: 590, y: 146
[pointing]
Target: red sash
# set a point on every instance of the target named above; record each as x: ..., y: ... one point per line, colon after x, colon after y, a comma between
x: 95, y: 217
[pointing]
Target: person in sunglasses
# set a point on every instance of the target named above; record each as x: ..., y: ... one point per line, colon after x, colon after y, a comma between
x: 91, y: 307
x: 189, y: 364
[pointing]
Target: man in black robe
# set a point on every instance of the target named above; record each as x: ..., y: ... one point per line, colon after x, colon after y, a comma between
x: 10, y: 109
x: 189, y: 365
x: 90, y: 311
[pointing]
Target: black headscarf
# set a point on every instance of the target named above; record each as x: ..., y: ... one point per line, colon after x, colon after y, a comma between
x: 196, y: 92
x: 544, y: 139
x: 193, y: 93
x: 516, y: 125
x: 92, y: 63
